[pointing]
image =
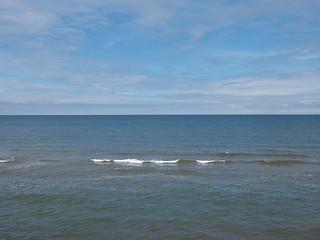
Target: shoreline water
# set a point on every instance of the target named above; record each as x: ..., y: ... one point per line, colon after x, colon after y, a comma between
x: 181, y: 177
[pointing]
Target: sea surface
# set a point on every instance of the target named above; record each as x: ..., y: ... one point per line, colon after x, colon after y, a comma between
x: 160, y: 177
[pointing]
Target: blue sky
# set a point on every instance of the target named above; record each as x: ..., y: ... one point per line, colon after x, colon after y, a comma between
x: 159, y: 57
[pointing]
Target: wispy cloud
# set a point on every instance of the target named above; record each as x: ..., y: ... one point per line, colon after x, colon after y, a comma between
x: 160, y: 56
x: 18, y: 17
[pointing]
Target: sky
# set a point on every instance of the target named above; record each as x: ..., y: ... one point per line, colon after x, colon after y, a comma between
x: 159, y: 57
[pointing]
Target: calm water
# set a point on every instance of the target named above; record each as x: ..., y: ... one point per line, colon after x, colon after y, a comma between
x: 160, y: 177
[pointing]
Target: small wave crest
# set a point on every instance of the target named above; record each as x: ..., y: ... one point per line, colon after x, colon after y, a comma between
x: 285, y: 162
x: 101, y: 160
x: 131, y: 161
x: 257, y: 154
x: 165, y: 161
x: 159, y: 162
x: 128, y: 161
x: 210, y: 161
x: 134, y: 161
x: 7, y: 160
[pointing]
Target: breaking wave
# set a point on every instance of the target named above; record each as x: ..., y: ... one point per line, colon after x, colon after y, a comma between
x: 254, y: 154
x: 201, y: 162
x: 7, y: 160
x: 222, y: 155
x: 134, y: 161
x: 160, y: 162
x: 210, y: 161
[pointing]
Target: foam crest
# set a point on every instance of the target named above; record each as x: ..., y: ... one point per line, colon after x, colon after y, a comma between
x: 129, y: 161
x: 165, y: 162
x: 134, y: 161
x: 101, y: 160
x: 7, y: 160
x: 210, y: 161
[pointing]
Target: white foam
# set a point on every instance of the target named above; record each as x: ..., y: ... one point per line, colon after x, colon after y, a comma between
x: 210, y: 161
x: 6, y: 160
x: 165, y: 162
x: 134, y: 161
x: 101, y: 160
x: 129, y: 161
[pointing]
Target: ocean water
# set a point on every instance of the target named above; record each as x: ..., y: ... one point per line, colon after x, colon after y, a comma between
x: 160, y: 177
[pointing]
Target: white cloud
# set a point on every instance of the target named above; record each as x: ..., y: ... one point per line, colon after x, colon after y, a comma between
x: 125, y: 93
x: 22, y: 18
x: 267, y: 84
x: 193, y: 17
x: 302, y: 82
x: 235, y: 106
x: 85, y: 100
x: 91, y: 51
x: 310, y: 101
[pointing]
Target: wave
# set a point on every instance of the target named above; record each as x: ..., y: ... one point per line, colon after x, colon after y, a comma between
x: 160, y: 162
x: 242, y: 154
x: 285, y: 162
x: 134, y: 161
x: 165, y: 161
x: 128, y: 161
x: 202, y: 162
x: 101, y: 160
x: 262, y: 154
x: 273, y: 162
x: 7, y: 160
x: 210, y: 161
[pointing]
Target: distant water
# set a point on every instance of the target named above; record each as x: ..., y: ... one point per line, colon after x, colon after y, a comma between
x: 160, y: 177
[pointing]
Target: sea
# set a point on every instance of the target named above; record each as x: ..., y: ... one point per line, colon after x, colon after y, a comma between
x: 160, y: 177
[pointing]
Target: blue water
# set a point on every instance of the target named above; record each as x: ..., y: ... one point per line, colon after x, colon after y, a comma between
x: 160, y: 177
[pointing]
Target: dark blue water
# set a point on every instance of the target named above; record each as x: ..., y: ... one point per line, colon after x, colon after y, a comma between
x: 160, y: 177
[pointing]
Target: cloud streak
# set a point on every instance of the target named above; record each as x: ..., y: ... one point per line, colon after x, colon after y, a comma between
x: 157, y: 56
